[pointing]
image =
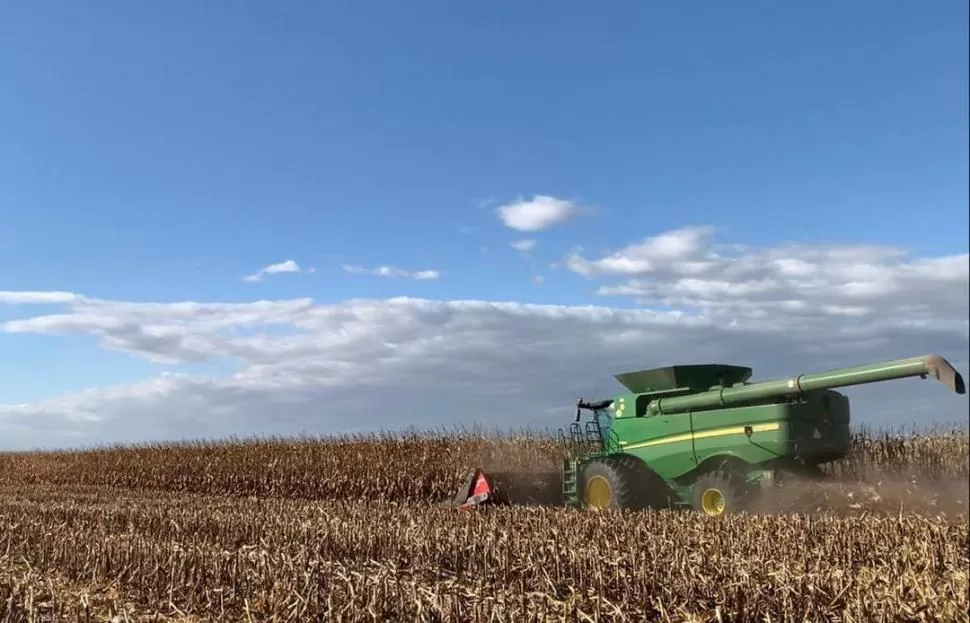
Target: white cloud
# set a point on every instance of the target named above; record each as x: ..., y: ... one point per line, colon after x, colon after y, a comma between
x: 289, y: 266
x: 684, y: 248
x: 685, y: 269
x: 393, y: 272
x: 540, y: 212
x: 523, y: 246
x: 299, y: 365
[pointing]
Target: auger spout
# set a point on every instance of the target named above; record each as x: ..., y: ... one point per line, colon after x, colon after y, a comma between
x: 924, y: 366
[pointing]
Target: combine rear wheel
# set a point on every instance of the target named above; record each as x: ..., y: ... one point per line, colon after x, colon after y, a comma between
x: 718, y: 493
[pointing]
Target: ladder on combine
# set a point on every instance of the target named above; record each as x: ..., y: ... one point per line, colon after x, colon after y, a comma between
x: 570, y: 487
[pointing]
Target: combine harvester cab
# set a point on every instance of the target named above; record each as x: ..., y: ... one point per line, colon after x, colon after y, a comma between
x: 702, y: 436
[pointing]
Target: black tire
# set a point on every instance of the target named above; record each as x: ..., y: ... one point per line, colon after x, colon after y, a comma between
x: 647, y: 488
x: 614, y: 483
x: 719, y: 492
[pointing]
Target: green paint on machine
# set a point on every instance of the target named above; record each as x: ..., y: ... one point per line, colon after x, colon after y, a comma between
x: 704, y: 436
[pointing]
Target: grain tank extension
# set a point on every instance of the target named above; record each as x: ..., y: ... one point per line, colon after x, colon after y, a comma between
x: 704, y: 436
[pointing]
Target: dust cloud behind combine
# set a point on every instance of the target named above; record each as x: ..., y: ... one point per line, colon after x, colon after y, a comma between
x: 893, y: 494
x: 887, y: 473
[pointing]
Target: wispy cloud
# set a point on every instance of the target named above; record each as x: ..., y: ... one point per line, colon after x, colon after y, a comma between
x: 393, y: 272
x: 485, y: 203
x: 35, y: 298
x: 289, y: 266
x: 523, y: 246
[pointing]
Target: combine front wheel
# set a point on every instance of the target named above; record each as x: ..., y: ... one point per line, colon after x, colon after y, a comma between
x: 607, y: 484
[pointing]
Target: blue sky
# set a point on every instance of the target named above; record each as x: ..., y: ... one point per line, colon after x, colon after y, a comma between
x: 159, y: 152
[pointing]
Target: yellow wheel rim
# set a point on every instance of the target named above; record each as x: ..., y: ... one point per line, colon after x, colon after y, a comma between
x: 598, y: 492
x: 712, y: 502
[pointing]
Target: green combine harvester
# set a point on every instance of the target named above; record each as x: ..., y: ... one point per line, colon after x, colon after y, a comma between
x: 702, y: 436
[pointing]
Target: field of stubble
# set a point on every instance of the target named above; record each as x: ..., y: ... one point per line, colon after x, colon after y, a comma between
x: 347, y: 530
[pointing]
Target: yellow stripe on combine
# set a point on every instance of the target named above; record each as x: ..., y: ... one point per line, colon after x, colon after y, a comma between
x: 707, y: 434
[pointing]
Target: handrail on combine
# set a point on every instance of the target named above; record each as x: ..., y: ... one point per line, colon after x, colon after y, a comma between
x: 611, y: 445
x: 590, y: 437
